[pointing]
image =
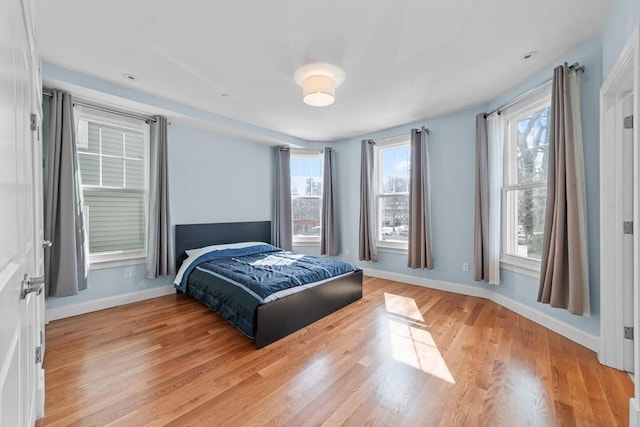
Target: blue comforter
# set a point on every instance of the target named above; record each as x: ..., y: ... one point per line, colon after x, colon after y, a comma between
x: 234, y: 282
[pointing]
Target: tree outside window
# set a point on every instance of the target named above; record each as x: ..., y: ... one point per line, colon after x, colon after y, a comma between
x: 525, y: 181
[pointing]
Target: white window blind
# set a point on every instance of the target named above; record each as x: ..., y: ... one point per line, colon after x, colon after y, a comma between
x: 112, y: 161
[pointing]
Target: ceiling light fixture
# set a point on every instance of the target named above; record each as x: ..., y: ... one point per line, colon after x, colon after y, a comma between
x: 319, y: 90
x: 319, y: 81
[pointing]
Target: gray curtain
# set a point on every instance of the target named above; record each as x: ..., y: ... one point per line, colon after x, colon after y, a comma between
x: 481, y: 227
x: 65, y: 261
x: 160, y: 256
x: 368, y: 249
x: 420, y: 252
x: 564, y: 280
x: 329, y: 229
x: 282, y: 235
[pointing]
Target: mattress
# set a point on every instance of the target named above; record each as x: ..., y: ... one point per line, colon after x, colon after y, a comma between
x: 234, y: 280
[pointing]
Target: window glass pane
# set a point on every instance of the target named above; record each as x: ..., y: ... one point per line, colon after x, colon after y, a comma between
x: 112, y: 140
x: 532, y: 147
x: 112, y: 160
x: 89, y: 169
x: 530, y: 211
x: 82, y: 143
x: 134, y: 171
x: 93, y: 138
x: 393, y: 165
x: 306, y: 176
x: 305, y: 214
x: 134, y: 146
x: 395, y: 169
x: 112, y: 172
x: 394, y: 218
x: 306, y: 195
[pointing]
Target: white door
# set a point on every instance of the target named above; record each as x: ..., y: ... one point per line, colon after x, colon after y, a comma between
x: 38, y: 308
x: 627, y: 238
x: 20, y: 248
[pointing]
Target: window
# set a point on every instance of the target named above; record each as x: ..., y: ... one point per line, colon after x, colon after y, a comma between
x: 525, y: 180
x: 112, y: 157
x: 306, y: 196
x: 392, y: 165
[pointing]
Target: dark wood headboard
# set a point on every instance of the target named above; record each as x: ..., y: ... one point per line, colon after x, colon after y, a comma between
x: 191, y: 236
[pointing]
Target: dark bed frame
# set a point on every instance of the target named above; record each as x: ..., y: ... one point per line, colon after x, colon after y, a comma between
x: 281, y: 317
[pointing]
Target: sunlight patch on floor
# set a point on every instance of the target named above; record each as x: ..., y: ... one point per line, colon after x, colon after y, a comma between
x: 411, y: 343
x: 403, y: 306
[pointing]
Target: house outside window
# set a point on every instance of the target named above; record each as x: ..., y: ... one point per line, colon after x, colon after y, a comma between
x: 112, y: 156
x: 306, y: 196
x: 525, y: 181
x: 392, y: 165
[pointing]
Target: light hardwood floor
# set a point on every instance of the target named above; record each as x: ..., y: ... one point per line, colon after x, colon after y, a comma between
x: 401, y: 356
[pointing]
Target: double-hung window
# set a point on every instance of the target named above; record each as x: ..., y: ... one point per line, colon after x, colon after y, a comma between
x: 112, y: 157
x: 392, y: 166
x: 525, y: 181
x: 306, y: 196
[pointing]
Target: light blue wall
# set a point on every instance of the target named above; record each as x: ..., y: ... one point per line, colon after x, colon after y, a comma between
x: 208, y: 182
x: 623, y: 18
x: 110, y: 282
x: 452, y: 161
x: 452, y: 158
x: 525, y: 289
x: 216, y: 178
x: 452, y: 151
x: 212, y: 178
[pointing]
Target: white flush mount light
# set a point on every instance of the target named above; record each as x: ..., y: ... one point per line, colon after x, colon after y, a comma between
x: 319, y: 81
x: 318, y: 91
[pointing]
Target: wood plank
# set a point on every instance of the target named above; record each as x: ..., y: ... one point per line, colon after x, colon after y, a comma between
x: 403, y: 355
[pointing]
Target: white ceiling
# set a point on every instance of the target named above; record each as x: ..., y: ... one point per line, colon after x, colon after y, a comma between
x: 402, y: 60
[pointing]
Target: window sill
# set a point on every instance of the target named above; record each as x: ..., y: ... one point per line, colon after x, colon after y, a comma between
x: 526, y: 266
x: 113, y: 260
x: 392, y: 249
x: 307, y: 243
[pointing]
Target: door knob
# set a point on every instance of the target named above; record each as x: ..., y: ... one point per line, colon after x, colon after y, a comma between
x: 31, y: 284
x: 47, y: 243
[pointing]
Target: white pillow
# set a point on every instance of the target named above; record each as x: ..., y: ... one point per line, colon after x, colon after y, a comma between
x: 199, y: 251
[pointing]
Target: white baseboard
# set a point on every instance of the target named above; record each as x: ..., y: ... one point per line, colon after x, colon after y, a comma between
x: 108, y: 302
x: 568, y: 331
x: 634, y: 413
x: 585, y: 339
x: 456, y: 288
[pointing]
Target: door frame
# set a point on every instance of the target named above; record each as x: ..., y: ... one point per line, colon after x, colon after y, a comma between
x: 623, y: 78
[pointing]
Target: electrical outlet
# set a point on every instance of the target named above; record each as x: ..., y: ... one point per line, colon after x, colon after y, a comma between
x: 465, y: 266
x: 128, y: 273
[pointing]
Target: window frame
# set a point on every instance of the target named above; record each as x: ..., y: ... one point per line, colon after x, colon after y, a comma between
x: 121, y: 258
x: 393, y: 246
x: 531, y: 104
x: 308, y: 240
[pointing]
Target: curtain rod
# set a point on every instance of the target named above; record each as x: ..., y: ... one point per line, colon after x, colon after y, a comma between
x: 404, y: 134
x: 576, y: 66
x: 307, y: 150
x: 106, y: 109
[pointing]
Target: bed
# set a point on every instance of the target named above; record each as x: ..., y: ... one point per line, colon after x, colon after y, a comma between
x: 274, y: 319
